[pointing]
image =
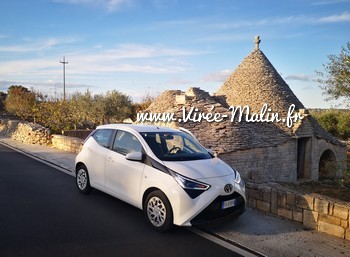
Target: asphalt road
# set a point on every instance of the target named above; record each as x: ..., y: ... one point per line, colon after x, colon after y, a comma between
x: 43, y: 214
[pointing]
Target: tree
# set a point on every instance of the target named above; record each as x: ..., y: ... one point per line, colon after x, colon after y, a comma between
x: 118, y: 106
x: 344, y: 126
x: 146, y: 101
x: 335, y: 121
x: 97, y: 108
x: 80, y: 106
x: 329, y: 121
x: 2, y: 101
x: 20, y: 101
x: 335, y: 79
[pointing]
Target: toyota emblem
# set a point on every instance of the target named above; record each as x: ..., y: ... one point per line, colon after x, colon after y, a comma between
x: 228, y: 188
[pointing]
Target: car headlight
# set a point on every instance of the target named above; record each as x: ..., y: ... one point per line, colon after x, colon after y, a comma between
x: 238, y: 179
x: 192, y: 187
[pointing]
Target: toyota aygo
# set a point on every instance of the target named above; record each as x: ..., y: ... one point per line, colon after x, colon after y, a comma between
x: 162, y: 171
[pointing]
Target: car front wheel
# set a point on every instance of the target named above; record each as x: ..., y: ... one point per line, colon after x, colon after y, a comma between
x: 82, y: 180
x: 158, y: 211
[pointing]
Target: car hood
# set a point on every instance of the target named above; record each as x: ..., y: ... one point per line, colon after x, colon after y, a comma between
x: 207, y: 168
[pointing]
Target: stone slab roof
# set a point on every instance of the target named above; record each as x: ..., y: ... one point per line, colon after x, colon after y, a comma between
x: 256, y: 82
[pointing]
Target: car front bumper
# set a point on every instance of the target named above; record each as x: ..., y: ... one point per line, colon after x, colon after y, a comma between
x: 215, y: 214
x: 207, y: 208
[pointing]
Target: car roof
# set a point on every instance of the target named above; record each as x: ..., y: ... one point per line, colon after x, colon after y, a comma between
x: 137, y: 127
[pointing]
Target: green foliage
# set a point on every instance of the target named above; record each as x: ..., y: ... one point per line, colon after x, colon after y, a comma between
x: 79, y: 110
x: 335, y: 79
x: 345, y: 179
x: 336, y: 122
x: 2, y: 102
x: 329, y: 121
x: 20, y: 101
x: 117, y: 106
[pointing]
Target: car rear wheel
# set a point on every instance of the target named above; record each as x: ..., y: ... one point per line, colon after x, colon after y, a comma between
x: 158, y: 211
x: 83, y: 180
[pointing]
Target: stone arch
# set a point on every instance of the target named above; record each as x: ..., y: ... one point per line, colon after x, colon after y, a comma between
x: 327, y: 165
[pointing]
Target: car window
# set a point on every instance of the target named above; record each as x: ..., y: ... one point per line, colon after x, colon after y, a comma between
x: 126, y: 142
x: 103, y: 136
x: 175, y: 146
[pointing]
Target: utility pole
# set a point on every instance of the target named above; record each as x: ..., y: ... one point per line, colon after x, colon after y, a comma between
x: 64, y: 77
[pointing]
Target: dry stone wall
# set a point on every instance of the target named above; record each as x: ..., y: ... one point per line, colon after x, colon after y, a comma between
x: 314, y: 211
x: 31, y: 133
x: 266, y: 164
x: 25, y: 132
x: 70, y: 144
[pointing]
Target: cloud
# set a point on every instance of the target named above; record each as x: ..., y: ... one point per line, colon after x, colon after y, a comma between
x: 179, y: 81
x: 109, y: 5
x: 329, y: 2
x: 39, y: 45
x: 300, y: 77
x: 46, y: 86
x: 344, y: 17
x: 91, y: 64
x: 218, y: 76
x: 184, y: 22
x: 300, y: 19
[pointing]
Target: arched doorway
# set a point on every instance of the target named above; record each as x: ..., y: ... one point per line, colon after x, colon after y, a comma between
x: 328, y: 165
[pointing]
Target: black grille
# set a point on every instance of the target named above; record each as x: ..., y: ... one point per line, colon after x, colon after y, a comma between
x: 214, y: 213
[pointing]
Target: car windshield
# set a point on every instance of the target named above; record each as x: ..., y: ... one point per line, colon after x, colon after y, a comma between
x: 175, y: 146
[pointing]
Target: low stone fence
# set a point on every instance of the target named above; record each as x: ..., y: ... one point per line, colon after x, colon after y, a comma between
x: 25, y: 132
x: 314, y: 211
x: 79, y: 133
x: 70, y: 144
x: 30, y: 133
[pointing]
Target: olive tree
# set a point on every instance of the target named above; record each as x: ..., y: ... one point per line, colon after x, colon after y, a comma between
x: 20, y: 101
x: 335, y: 78
x: 117, y: 106
x: 2, y: 101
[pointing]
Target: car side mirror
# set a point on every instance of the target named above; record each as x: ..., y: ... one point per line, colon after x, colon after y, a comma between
x: 134, y: 156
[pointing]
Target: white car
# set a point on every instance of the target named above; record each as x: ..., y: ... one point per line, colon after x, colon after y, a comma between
x: 165, y: 172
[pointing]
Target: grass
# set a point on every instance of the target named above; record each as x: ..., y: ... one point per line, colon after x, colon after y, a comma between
x: 330, y: 188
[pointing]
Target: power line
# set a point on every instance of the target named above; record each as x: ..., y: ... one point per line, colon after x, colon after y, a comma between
x: 64, y: 77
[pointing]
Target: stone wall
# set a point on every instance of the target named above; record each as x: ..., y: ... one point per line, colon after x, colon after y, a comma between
x: 314, y: 211
x: 31, y: 133
x: 25, y: 132
x: 266, y: 164
x: 79, y: 133
x: 70, y: 144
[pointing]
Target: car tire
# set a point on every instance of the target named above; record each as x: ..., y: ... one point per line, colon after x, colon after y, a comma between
x: 82, y: 180
x: 158, y: 211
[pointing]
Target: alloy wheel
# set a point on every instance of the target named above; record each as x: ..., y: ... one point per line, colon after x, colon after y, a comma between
x: 82, y: 179
x: 156, y: 211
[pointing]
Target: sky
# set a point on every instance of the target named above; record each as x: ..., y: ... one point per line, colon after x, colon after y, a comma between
x: 141, y: 47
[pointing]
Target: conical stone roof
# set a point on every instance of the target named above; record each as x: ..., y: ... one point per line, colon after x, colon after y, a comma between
x: 256, y: 82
